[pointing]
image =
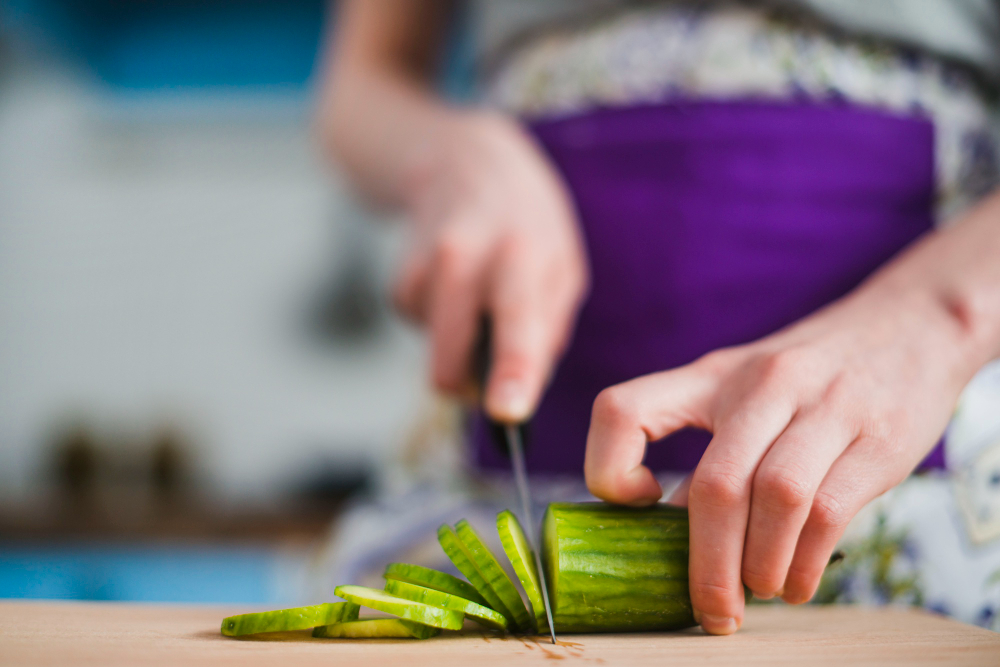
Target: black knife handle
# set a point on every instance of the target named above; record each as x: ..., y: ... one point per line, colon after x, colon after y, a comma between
x: 481, y: 362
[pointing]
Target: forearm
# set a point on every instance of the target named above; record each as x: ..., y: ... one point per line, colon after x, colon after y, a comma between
x: 378, y: 114
x: 956, y: 273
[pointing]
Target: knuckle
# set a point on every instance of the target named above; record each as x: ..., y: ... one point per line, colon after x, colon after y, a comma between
x: 784, y: 365
x: 717, y: 484
x: 614, y: 406
x: 828, y: 512
x: 453, y: 253
x: 782, y: 489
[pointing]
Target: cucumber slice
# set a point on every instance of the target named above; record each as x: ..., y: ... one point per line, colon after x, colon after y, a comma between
x: 495, y: 576
x: 522, y: 557
x: 409, y: 610
x: 477, y: 612
x: 460, y: 556
x: 376, y: 628
x: 282, y: 620
x: 438, y: 581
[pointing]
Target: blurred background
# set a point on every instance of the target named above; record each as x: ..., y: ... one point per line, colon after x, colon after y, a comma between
x: 201, y: 381
x: 197, y: 362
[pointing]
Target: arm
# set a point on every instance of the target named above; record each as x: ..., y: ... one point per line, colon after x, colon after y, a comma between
x: 492, y: 226
x: 811, y: 423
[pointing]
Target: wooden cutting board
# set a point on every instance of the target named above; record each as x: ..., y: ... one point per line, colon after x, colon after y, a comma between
x: 68, y: 633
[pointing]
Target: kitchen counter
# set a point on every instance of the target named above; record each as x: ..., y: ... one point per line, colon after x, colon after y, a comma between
x: 78, y: 633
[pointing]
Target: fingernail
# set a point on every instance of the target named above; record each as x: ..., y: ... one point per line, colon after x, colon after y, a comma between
x: 509, y: 401
x: 718, y: 625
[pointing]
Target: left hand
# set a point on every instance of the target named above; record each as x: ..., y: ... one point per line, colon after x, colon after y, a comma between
x: 809, y: 425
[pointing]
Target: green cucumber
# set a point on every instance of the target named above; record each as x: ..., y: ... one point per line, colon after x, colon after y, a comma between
x: 418, y: 612
x: 614, y: 569
x: 477, y: 612
x: 495, y: 576
x: 522, y: 557
x: 283, y: 620
x: 438, y: 581
x: 376, y: 628
x: 462, y: 559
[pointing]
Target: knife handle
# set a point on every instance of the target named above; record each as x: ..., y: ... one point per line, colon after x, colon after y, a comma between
x: 481, y: 363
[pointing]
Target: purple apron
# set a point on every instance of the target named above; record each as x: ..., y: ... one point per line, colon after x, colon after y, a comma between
x: 710, y: 224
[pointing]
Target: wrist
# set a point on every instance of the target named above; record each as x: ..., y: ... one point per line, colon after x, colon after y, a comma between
x: 957, y: 318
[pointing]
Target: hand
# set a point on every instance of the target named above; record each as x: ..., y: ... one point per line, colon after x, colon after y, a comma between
x: 493, y: 232
x: 809, y: 425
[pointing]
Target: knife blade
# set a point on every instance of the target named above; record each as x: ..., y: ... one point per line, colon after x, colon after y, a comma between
x: 511, y: 435
x: 516, y: 449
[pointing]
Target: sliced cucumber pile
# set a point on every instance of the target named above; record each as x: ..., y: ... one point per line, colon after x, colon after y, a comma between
x: 436, y: 617
x: 608, y: 569
x: 439, y: 581
x: 495, y: 577
x: 522, y: 557
x: 460, y: 557
x: 283, y: 620
x: 376, y: 628
x: 477, y: 612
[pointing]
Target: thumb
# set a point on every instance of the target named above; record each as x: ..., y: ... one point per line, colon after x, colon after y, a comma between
x: 628, y: 416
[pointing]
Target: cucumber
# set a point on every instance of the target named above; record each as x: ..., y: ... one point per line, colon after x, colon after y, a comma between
x: 438, y: 581
x: 522, y: 557
x: 418, y: 612
x: 477, y: 612
x: 283, y: 620
x: 615, y: 569
x: 495, y: 576
x: 462, y: 559
x: 376, y: 628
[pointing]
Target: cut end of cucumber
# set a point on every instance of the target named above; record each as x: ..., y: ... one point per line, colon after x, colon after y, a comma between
x: 409, y: 610
x: 522, y: 557
x: 376, y: 628
x: 550, y: 554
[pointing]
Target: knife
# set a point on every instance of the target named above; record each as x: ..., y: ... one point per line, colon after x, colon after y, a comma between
x: 509, y: 437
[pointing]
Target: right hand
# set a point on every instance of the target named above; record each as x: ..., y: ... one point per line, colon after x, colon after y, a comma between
x: 494, y: 232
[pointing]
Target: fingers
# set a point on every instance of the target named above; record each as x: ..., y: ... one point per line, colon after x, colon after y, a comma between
x: 784, y: 486
x: 410, y: 288
x: 533, y: 309
x: 719, y: 504
x: 867, y: 469
x: 455, y: 304
x: 628, y: 416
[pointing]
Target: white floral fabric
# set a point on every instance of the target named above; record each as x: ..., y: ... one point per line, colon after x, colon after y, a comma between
x: 669, y: 51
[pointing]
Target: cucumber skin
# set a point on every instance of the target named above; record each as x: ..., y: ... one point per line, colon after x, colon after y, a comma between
x: 617, y: 569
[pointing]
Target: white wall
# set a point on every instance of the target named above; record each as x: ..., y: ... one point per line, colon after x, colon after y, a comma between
x: 157, y: 262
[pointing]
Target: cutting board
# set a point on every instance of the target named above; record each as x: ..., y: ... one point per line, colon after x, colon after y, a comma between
x: 68, y: 633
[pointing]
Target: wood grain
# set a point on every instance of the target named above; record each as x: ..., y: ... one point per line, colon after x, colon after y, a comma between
x: 68, y: 633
